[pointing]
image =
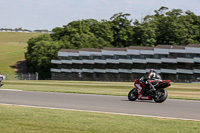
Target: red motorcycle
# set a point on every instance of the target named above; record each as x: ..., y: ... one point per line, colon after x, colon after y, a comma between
x: 149, y: 90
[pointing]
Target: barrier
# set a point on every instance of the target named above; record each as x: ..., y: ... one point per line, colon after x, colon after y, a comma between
x: 22, y: 76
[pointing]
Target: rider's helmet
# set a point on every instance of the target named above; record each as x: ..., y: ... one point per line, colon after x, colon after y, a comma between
x: 152, y: 71
x: 154, y: 75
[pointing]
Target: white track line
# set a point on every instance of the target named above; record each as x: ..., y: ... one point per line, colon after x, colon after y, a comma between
x: 149, y: 116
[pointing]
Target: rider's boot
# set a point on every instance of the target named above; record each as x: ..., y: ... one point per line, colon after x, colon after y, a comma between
x: 151, y: 90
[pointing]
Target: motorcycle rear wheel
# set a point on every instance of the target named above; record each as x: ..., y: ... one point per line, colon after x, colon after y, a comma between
x: 160, y: 96
x: 133, y: 94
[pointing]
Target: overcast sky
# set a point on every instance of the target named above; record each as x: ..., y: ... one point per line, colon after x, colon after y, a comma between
x: 48, y: 14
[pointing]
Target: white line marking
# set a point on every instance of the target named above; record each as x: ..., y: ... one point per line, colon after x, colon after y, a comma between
x: 125, y: 114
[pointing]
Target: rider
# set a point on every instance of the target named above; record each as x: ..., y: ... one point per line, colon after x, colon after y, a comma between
x: 1, y: 78
x: 153, y: 75
x: 153, y: 79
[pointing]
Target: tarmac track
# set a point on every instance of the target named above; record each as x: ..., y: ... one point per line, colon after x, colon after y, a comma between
x: 175, y: 109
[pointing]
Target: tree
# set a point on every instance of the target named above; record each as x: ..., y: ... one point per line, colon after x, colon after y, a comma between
x: 144, y: 35
x: 84, y: 34
x: 41, y: 50
x: 122, y: 30
x: 164, y: 27
x: 101, y: 29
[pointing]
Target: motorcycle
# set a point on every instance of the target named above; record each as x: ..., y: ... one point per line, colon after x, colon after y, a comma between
x: 1, y: 78
x: 146, y: 89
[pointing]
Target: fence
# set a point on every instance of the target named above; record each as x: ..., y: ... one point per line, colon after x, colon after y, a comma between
x: 119, y: 77
x: 22, y: 76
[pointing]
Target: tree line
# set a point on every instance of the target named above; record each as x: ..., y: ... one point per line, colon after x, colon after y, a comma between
x: 21, y: 29
x: 164, y: 27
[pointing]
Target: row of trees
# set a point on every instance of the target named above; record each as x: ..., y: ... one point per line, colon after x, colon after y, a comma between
x: 21, y: 29
x: 164, y: 27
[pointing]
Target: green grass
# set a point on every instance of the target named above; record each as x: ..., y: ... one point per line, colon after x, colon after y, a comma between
x: 176, y: 90
x: 12, y: 48
x: 16, y: 36
x: 10, y: 54
x: 22, y: 119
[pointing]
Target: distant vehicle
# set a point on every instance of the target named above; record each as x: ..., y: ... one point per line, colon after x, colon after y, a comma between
x: 2, y: 77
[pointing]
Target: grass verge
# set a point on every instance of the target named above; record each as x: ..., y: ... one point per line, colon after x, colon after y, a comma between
x: 10, y: 54
x: 17, y: 119
x: 13, y: 45
x: 176, y: 90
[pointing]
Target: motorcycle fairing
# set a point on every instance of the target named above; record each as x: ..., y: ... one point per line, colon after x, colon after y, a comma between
x: 140, y: 92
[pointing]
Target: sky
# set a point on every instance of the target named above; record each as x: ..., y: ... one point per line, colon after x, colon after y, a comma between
x: 48, y: 14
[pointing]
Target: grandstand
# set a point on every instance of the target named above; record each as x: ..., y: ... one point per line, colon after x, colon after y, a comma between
x: 178, y: 63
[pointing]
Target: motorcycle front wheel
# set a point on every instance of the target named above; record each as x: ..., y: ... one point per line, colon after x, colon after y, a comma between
x: 160, y: 95
x: 133, y: 94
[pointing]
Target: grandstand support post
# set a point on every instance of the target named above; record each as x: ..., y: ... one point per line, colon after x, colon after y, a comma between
x: 132, y: 77
x: 36, y: 76
x: 29, y: 76
x: 177, y: 77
